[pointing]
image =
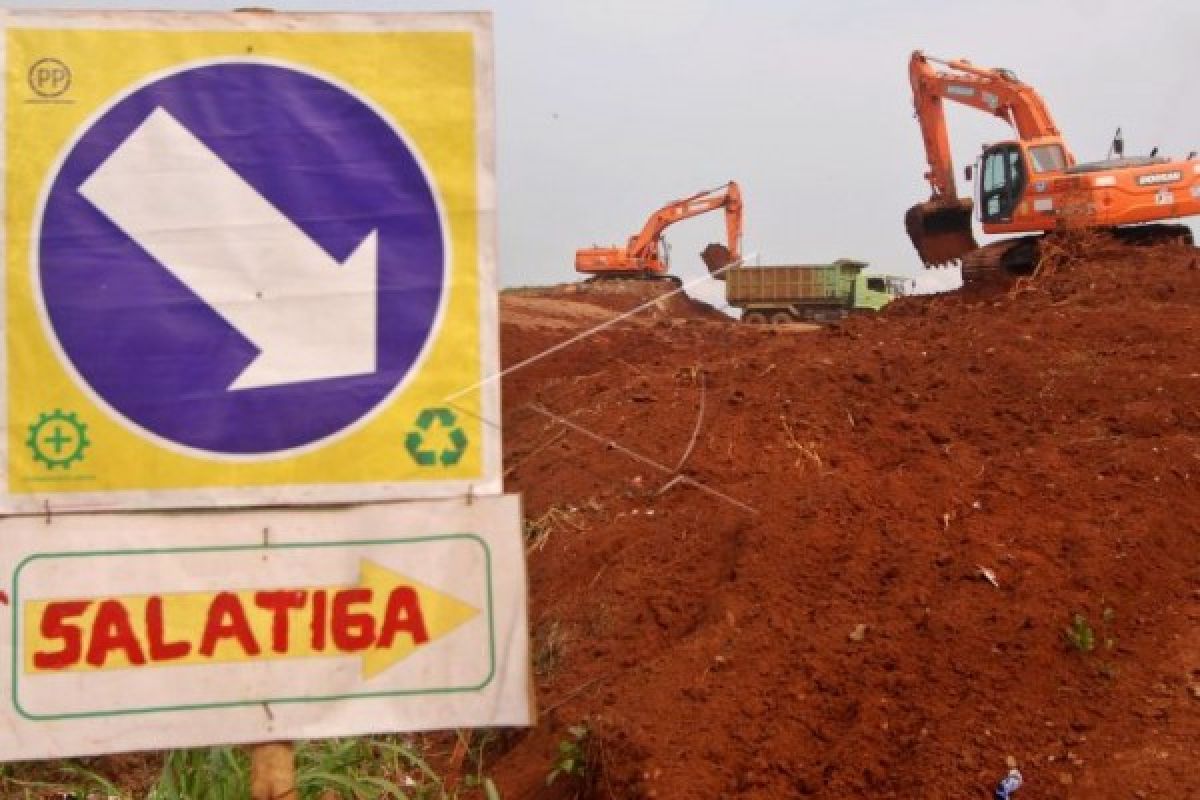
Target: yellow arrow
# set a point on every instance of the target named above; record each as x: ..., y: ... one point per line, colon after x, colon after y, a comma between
x: 383, y: 619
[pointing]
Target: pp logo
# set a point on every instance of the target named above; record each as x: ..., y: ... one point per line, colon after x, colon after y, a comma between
x: 49, y: 78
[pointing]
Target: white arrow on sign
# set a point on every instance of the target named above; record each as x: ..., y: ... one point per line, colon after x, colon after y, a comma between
x: 310, y: 317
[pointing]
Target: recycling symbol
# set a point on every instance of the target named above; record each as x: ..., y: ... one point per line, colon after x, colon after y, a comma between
x: 57, y: 439
x: 431, y: 444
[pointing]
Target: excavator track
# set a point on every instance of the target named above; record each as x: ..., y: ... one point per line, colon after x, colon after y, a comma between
x: 1001, y: 261
x: 636, y: 277
x: 1154, y: 233
x: 1011, y: 258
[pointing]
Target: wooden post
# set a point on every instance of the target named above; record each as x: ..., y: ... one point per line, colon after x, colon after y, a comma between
x: 273, y: 771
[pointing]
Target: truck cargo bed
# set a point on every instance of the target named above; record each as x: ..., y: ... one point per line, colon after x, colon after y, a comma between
x: 792, y: 284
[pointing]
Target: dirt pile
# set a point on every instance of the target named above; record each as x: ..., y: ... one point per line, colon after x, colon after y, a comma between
x: 580, y: 305
x: 843, y: 563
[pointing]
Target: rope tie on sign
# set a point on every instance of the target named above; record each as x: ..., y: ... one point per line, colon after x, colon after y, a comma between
x: 676, y: 476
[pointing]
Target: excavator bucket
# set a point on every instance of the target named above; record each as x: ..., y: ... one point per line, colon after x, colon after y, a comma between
x: 716, y: 256
x: 941, y: 230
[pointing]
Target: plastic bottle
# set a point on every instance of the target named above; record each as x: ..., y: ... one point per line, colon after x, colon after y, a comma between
x: 1008, y: 785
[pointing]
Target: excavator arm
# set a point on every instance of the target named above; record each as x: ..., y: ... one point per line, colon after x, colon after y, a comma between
x: 641, y: 253
x: 993, y: 91
x: 940, y: 228
x: 645, y: 242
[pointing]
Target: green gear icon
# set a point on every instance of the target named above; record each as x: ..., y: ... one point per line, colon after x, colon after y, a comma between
x: 426, y: 456
x: 58, y: 439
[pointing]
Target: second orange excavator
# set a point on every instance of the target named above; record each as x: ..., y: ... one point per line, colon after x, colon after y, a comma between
x: 645, y: 255
x: 1033, y: 184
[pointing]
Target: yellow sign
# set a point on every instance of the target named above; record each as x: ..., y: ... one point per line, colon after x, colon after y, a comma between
x: 249, y: 259
x: 383, y: 620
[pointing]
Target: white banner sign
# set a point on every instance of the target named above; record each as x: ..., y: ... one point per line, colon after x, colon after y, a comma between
x: 128, y: 632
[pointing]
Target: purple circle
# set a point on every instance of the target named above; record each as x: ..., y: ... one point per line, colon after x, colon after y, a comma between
x: 157, y: 353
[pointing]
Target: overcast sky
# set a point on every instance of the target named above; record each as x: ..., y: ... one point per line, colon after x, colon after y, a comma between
x: 607, y: 110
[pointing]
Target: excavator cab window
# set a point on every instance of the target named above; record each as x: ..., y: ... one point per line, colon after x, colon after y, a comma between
x: 876, y: 285
x: 1003, y: 182
x: 1048, y: 158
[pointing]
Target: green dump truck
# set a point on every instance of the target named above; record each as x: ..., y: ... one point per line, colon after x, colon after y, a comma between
x: 808, y: 292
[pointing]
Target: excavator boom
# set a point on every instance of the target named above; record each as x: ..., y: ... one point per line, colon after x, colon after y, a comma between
x: 642, y: 255
x: 940, y: 228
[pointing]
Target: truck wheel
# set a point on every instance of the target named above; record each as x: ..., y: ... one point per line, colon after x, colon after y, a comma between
x: 782, y: 318
x: 754, y: 317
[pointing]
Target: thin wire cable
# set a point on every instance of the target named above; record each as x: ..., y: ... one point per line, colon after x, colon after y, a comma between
x: 596, y: 437
x: 607, y: 441
x: 699, y: 422
x: 639, y: 457
x: 579, y: 337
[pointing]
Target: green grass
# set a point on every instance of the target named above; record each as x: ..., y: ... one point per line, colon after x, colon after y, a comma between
x: 368, y: 768
x: 572, y: 758
x: 1082, y: 637
x: 357, y: 769
x: 62, y: 779
x: 1080, y: 634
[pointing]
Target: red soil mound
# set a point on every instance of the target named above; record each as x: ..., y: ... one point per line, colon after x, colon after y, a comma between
x: 581, y: 305
x: 824, y: 627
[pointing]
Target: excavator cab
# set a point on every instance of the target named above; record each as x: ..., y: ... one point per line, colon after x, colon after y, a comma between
x: 1002, y: 182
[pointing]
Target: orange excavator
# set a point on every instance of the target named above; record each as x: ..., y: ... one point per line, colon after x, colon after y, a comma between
x: 646, y: 254
x: 1033, y: 184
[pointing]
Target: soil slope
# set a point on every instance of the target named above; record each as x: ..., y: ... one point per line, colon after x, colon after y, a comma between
x: 759, y: 557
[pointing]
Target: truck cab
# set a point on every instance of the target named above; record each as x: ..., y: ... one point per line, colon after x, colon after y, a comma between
x: 873, y: 292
